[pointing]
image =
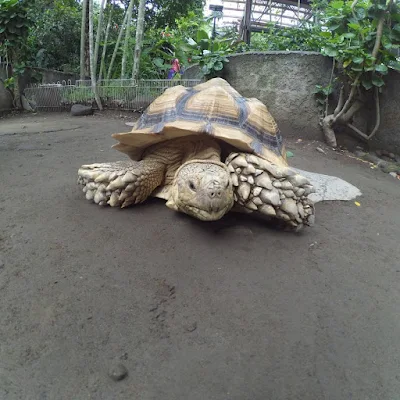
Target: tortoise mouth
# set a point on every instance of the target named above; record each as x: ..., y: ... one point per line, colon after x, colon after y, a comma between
x: 204, y: 215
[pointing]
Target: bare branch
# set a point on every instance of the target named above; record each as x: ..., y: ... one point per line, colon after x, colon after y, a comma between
x: 117, y: 46
x: 377, y: 122
x: 91, y: 57
x: 346, y: 117
x: 83, y: 37
x: 103, y: 55
x: 340, y: 102
x: 379, y: 31
x: 98, y: 35
x: 328, y: 131
x: 330, y: 83
x: 139, y: 39
x: 125, y: 47
x: 349, y: 100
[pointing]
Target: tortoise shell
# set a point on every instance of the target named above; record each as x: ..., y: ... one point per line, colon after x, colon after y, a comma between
x: 214, y: 108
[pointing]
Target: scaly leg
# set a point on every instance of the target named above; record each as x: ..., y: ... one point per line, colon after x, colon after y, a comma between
x: 274, y: 191
x: 121, y: 183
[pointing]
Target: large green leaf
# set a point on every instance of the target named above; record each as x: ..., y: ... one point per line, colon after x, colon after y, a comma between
x: 330, y: 52
x: 367, y: 84
x: 204, y: 44
x: 337, y: 4
x: 202, y: 35
x: 191, y: 42
x: 358, y: 60
x: 377, y: 81
x: 382, y: 68
x: 394, y: 65
x: 158, y: 62
x: 349, y: 35
x: 354, y: 26
x: 396, y: 28
x: 360, y: 13
x: 218, y: 65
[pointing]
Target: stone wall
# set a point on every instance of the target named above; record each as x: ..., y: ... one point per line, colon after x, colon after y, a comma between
x: 388, y: 135
x: 284, y: 82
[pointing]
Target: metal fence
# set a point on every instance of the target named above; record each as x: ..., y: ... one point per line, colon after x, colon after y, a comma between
x: 115, y: 94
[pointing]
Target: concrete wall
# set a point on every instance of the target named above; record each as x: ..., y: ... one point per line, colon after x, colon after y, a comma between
x: 388, y: 135
x: 284, y: 82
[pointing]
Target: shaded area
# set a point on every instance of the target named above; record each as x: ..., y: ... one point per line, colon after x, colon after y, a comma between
x: 225, y: 310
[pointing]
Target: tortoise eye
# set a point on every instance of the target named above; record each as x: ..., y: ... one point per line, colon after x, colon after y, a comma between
x: 192, y: 186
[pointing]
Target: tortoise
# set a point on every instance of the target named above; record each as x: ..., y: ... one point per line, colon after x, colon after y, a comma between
x: 206, y: 150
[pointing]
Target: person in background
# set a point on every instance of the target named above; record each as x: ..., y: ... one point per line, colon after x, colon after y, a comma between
x: 174, y: 69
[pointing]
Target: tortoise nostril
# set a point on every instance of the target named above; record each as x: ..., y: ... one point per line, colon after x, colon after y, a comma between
x: 213, y: 194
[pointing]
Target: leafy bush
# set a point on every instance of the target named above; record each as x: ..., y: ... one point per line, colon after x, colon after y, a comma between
x: 275, y: 38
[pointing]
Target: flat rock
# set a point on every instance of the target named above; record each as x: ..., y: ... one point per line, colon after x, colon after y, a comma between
x: 79, y: 110
x: 329, y: 187
x: 25, y: 104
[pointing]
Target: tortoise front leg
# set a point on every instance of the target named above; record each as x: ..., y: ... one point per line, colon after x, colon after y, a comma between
x: 271, y: 190
x: 121, y: 183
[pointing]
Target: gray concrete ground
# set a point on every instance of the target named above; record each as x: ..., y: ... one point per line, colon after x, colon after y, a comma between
x: 229, y: 310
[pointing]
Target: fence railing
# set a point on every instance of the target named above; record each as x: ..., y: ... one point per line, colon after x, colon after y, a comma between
x: 117, y: 94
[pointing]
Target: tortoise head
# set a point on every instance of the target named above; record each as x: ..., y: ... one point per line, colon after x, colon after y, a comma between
x: 202, y: 189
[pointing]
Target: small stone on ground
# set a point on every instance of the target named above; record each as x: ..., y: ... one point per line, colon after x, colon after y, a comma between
x: 118, y: 372
x: 191, y: 327
x: 78, y: 110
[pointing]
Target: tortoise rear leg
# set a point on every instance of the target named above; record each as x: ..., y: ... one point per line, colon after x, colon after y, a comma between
x: 121, y: 183
x: 271, y: 190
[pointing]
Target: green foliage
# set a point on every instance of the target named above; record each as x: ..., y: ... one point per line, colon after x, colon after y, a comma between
x: 14, y: 28
x: 209, y: 53
x: 54, y: 39
x: 322, y: 93
x: 274, y: 38
x: 162, y: 13
x: 352, y: 34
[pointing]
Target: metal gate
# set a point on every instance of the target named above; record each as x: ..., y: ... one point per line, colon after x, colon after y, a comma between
x: 115, y: 94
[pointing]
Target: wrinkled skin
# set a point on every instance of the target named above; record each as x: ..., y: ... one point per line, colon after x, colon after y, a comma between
x: 189, y: 174
x: 202, y: 189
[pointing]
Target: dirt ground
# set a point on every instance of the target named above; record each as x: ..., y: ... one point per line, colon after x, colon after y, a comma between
x: 232, y: 310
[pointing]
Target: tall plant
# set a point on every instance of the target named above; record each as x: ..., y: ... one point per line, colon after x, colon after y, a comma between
x: 139, y: 39
x: 126, y: 51
x: 361, y: 36
x: 83, y: 39
x: 14, y: 29
x: 91, y: 57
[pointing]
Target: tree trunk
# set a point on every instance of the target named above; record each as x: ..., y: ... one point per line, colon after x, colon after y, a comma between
x: 83, y: 39
x: 116, y: 46
x: 16, y: 91
x: 91, y: 56
x: 126, y: 41
x: 139, y: 39
x: 98, y: 35
x: 103, y: 55
x: 345, y: 112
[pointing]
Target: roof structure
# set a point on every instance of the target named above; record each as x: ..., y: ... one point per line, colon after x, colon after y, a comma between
x: 262, y: 12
